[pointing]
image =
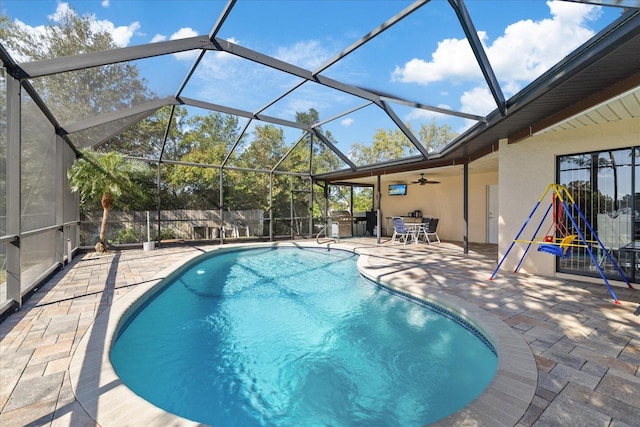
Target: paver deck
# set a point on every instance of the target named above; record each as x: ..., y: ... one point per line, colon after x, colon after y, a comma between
x: 568, y: 356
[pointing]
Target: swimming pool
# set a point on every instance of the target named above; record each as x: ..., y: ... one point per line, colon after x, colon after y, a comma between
x: 269, y: 337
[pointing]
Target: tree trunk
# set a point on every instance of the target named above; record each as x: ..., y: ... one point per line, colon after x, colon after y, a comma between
x: 107, y: 204
x: 103, y: 225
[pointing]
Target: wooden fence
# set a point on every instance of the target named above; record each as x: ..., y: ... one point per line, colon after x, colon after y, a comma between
x: 135, y: 227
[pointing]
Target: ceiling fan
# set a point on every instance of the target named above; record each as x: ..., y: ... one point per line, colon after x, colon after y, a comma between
x: 423, y: 180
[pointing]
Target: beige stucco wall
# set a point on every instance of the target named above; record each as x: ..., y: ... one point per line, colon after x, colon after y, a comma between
x: 445, y: 201
x: 528, y: 167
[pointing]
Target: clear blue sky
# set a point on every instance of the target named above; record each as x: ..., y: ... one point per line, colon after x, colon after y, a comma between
x: 425, y: 58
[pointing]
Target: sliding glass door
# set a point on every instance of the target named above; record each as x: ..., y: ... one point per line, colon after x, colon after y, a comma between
x: 603, y: 185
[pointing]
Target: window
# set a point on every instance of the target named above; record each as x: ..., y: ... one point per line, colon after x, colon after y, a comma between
x: 604, y: 186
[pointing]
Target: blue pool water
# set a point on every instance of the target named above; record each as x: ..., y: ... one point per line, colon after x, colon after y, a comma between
x: 291, y: 337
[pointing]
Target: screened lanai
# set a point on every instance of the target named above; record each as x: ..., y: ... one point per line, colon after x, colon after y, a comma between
x: 246, y: 138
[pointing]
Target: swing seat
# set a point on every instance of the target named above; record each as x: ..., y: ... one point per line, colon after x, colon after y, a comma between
x: 554, y: 250
x: 562, y: 250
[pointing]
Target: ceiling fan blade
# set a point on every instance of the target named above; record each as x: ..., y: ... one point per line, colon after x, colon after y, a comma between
x: 422, y: 180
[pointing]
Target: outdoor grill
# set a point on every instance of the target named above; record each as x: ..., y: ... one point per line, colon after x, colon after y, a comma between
x: 341, y: 224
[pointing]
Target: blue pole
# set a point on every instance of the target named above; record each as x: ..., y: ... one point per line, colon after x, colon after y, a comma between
x: 593, y: 258
x: 606, y: 251
x: 514, y: 240
x: 533, y: 237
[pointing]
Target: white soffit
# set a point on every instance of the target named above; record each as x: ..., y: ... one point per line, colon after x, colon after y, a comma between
x: 622, y: 107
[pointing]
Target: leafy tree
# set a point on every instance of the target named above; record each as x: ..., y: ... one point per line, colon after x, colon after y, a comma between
x: 83, y: 93
x: 252, y: 189
x: 145, y: 138
x: 386, y: 145
x: 308, y: 118
x: 362, y: 199
x: 208, y: 141
x: 323, y: 158
x: 104, y: 177
x: 145, y: 196
x: 434, y: 137
x: 393, y: 144
x: 390, y: 144
x: 266, y: 149
x: 340, y: 198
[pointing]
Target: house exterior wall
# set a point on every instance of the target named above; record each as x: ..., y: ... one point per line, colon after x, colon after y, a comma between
x: 444, y: 201
x: 528, y: 167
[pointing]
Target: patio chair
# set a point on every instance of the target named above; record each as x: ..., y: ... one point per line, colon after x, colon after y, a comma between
x: 401, y: 232
x: 424, y: 224
x: 429, y: 230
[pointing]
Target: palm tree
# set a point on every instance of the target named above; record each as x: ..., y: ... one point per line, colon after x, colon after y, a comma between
x: 103, y: 176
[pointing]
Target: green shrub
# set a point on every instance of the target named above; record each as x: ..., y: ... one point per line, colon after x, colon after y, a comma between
x: 165, y: 234
x: 127, y: 235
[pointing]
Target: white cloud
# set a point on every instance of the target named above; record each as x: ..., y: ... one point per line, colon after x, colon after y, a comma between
x: 306, y: 54
x: 121, y: 35
x: 525, y: 50
x: 426, y: 115
x: 62, y: 9
x: 467, y: 124
x: 290, y: 107
x: 158, y: 38
x: 105, y: 3
x: 347, y: 122
x: 479, y: 100
x: 40, y: 30
x: 452, y: 59
x: 218, y: 64
x: 184, y: 33
x: 522, y: 53
x: 529, y: 48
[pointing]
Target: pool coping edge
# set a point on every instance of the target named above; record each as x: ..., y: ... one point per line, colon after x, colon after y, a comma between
x: 101, y: 393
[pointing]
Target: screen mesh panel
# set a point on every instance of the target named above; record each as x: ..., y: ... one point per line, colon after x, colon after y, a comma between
x: 3, y: 273
x: 37, y: 256
x: 3, y: 153
x: 39, y: 180
x: 69, y: 199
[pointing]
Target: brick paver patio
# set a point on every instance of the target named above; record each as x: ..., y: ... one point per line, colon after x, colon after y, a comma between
x: 586, y: 349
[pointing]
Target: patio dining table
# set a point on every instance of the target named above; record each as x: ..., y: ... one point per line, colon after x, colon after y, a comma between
x: 415, y: 228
